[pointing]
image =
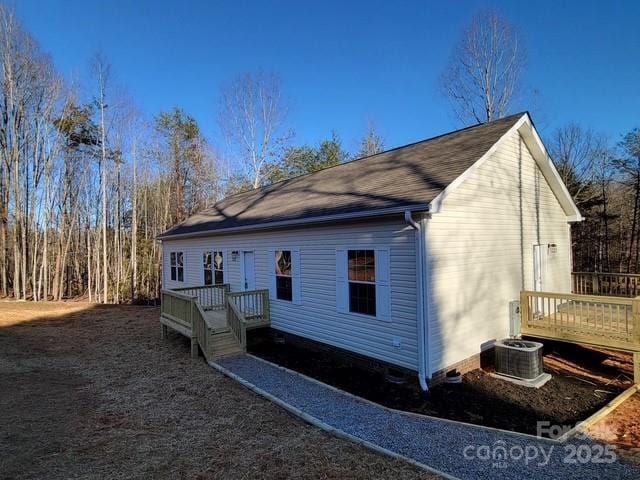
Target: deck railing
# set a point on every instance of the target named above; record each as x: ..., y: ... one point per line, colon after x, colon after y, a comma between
x: 182, y: 310
x: 210, y: 297
x: 253, y: 304
x: 186, y: 308
x: 601, y: 283
x: 597, y: 320
x: 176, y: 306
x: 199, y: 326
x: 237, y: 324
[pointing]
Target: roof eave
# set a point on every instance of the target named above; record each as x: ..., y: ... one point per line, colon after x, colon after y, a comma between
x: 524, y: 126
x: 538, y: 150
x: 381, y: 212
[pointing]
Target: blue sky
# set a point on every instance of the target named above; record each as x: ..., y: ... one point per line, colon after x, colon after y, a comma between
x: 344, y: 63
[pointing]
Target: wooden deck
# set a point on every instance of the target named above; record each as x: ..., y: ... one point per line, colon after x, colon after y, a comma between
x: 603, y: 321
x: 215, y: 319
x: 606, y: 283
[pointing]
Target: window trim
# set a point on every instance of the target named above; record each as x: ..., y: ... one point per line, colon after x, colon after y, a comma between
x: 173, y: 256
x: 213, y: 267
x: 221, y: 252
x: 204, y: 267
x: 362, y: 282
x: 296, y: 273
x: 383, y: 281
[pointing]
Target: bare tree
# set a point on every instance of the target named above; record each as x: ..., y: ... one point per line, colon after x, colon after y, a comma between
x: 134, y: 219
x: 101, y: 72
x: 29, y: 93
x: 252, y: 117
x: 483, y: 74
x: 629, y: 166
x: 371, y: 143
x: 577, y: 152
x: 603, y: 176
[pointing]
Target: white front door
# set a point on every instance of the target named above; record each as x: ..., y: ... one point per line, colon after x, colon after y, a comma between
x: 538, y: 267
x: 539, y: 264
x: 248, y: 271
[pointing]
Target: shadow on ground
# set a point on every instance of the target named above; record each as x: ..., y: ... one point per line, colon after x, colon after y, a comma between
x: 90, y: 391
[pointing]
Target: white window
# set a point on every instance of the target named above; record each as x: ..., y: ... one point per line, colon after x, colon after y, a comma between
x: 363, y: 282
x: 284, y: 280
x: 177, y: 266
x: 213, y: 268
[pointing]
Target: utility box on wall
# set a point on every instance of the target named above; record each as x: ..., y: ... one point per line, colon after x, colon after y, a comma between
x: 514, y: 318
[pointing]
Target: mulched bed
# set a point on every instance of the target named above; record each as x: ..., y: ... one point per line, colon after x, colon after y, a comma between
x: 569, y: 397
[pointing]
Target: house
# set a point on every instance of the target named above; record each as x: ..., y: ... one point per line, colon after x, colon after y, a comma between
x: 409, y: 257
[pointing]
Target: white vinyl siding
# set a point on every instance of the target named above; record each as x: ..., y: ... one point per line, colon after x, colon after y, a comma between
x: 480, y: 251
x: 313, y: 313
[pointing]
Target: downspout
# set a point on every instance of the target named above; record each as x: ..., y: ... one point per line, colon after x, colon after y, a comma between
x: 421, y: 297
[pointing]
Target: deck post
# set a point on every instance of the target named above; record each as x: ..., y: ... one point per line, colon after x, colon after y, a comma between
x: 595, y: 285
x: 194, y: 340
x: 635, y: 312
x: 163, y: 331
x: 635, y: 309
x: 194, y: 348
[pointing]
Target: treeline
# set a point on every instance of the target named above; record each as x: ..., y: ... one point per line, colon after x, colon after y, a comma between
x: 87, y: 181
x: 604, y: 179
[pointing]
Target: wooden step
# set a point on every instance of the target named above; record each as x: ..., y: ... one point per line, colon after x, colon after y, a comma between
x: 222, y: 344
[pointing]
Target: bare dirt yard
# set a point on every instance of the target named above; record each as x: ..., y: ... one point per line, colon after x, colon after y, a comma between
x: 90, y: 391
x: 622, y: 429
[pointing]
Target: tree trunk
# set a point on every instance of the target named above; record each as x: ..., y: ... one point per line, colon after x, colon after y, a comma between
x: 634, y: 222
x: 134, y: 229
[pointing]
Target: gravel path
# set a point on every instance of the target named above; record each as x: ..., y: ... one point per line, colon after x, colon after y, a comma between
x: 457, y: 450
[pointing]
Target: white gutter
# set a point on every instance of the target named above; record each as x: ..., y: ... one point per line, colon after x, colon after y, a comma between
x: 300, y: 221
x: 423, y: 327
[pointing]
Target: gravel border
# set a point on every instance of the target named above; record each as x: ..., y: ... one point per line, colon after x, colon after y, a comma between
x: 524, y: 436
x: 326, y: 427
x: 450, y: 448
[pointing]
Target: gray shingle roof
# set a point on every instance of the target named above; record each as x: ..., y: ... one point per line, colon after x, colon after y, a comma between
x: 409, y: 176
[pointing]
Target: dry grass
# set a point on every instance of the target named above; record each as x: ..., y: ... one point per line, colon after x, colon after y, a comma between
x: 91, y: 392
